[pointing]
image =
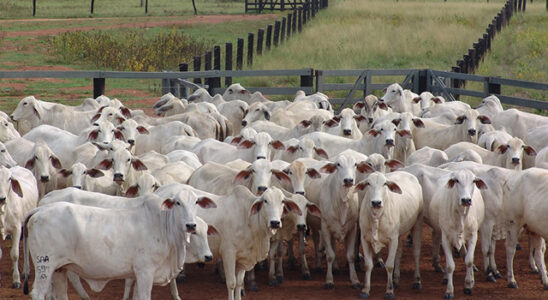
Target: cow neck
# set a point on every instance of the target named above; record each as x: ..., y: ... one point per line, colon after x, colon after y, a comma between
x: 172, y: 232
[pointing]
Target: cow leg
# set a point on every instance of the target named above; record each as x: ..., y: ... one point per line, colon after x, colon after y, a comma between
x: 336, y: 268
x: 389, y: 265
x: 534, y: 267
x: 14, y: 253
x: 436, y: 243
x: 77, y: 285
x: 511, y: 241
x: 351, y: 255
x: 173, y: 289
x: 450, y: 266
x: 291, y: 260
x: 272, y: 267
x: 396, y: 273
x: 240, y: 274
x: 537, y: 243
x: 128, y: 283
x: 59, y: 285
x: 330, y: 255
x: 317, y: 259
x: 469, y: 261
x: 492, y: 261
x: 486, y: 233
x: 42, y: 281
x: 280, y: 270
x: 143, y: 285
x: 250, y: 278
x: 304, y: 264
x: 368, y: 263
x: 229, y: 265
x: 416, y: 233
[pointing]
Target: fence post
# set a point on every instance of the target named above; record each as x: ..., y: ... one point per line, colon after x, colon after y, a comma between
x: 282, y: 30
x: 313, y: 8
x: 276, y: 33
x: 146, y: 7
x: 455, y: 83
x: 207, y: 67
x: 304, y: 13
x: 319, y: 80
x: 493, y: 88
x: 308, y: 80
x: 182, y: 89
x: 289, y: 22
x: 525, y: 4
x: 268, y: 36
x: 197, y: 67
x: 300, y: 20
x: 282, y: 5
x: 260, y: 36
x: 228, y: 62
x: 240, y: 54
x: 215, y: 82
x: 423, y: 83
x: 294, y: 23
x: 98, y: 87
x: 92, y: 3
x: 250, y: 41
x: 34, y: 7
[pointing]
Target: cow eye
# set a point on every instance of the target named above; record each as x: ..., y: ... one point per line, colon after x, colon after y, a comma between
x: 5, y: 124
x: 338, y: 164
x: 265, y: 202
x: 257, y: 109
x: 128, y: 159
x: 110, y: 114
x: 3, y: 150
x: 178, y: 203
x: 25, y: 103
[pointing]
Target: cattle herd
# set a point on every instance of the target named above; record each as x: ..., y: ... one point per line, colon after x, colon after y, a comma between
x: 99, y: 192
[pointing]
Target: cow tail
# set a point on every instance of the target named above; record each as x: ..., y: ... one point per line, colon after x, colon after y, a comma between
x: 26, y: 253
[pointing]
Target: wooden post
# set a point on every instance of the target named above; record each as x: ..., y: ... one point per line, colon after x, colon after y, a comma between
x: 268, y: 36
x: 182, y: 89
x: 294, y: 23
x: 455, y: 83
x: 215, y: 82
x: 313, y: 8
x: 473, y: 63
x: 276, y: 33
x: 260, y: 37
x: 207, y: 67
x: 300, y: 20
x: 282, y: 5
x: 250, y: 41
x: 307, y: 80
x: 240, y: 54
x: 197, y: 67
x: 228, y: 62
x: 304, y: 12
x: 146, y: 7
x: 290, y: 21
x: 282, y: 30
x: 34, y: 7
x: 493, y: 88
x: 524, y: 4
x: 92, y: 3
x: 98, y: 87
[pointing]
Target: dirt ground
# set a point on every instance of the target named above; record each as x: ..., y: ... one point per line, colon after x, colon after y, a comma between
x: 203, y: 283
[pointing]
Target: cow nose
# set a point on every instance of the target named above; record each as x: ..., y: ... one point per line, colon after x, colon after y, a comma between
x: 348, y: 181
x: 515, y: 160
x: 191, y: 227
x: 77, y: 186
x: 370, y: 120
x: 471, y: 131
x: 300, y: 193
x: 244, y: 123
x: 131, y: 142
x: 208, y: 258
x: 261, y: 157
x: 118, y: 177
x: 466, y: 201
x: 12, y: 118
x: 2, y: 200
x: 347, y: 131
x: 44, y: 178
x: 274, y: 224
x: 301, y: 227
x: 262, y: 189
x: 389, y: 142
x: 376, y: 203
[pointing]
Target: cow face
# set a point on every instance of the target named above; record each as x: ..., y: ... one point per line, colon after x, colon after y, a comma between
x: 103, y: 133
x: 305, y: 207
x: 7, y: 131
x: 28, y: 108
x: 259, y: 175
x: 262, y: 145
x: 344, y: 168
x: 183, y: 206
x: 385, y: 131
x: 43, y: 162
x: 255, y: 112
x: 463, y: 183
x: 198, y: 248
x: 513, y: 152
x: 376, y: 188
x: 79, y: 171
x: 236, y: 91
x: 392, y: 94
x: 121, y: 161
x: 297, y: 173
x: 7, y: 184
x: 5, y: 158
x: 145, y: 184
x: 468, y: 122
x: 130, y: 129
x: 405, y: 124
x: 110, y: 114
x: 270, y: 207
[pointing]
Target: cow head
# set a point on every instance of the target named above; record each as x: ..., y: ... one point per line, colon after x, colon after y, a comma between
x: 377, y: 187
x: 463, y: 185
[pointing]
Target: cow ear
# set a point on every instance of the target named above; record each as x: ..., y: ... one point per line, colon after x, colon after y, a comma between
x: 313, y: 173
x: 364, y: 167
x: 480, y: 184
x: 451, y: 182
x: 96, y: 117
x: 30, y: 163
x: 394, y: 164
x: 246, y: 144
x: 142, y: 130
x: 120, y: 120
x: 95, y: 173
x: 281, y: 176
x: 125, y: 112
x: 118, y: 135
x: 242, y: 176
x: 358, y: 105
x: 359, y: 118
x: 93, y: 135
x: 362, y: 186
x: 329, y: 168
x: 16, y: 188
x: 168, y: 204
x: 502, y: 148
x: 416, y: 99
x: 138, y: 165
x: 211, y: 230
x: 396, y: 121
x: 313, y: 210
x: 529, y: 150
x: 484, y: 119
x: 105, y: 164
x: 256, y: 207
x: 418, y: 123
x: 205, y: 202
x: 404, y: 133
x: 321, y: 153
x: 236, y: 140
x: 132, y: 191
x: 266, y: 115
x: 55, y: 162
x: 399, y: 92
x: 66, y: 173
x: 393, y: 187
x: 331, y: 123
x: 305, y: 123
x: 291, y: 149
x: 383, y: 106
x: 460, y: 120
x: 373, y: 132
x: 277, y: 145
x: 437, y: 100
x: 292, y: 206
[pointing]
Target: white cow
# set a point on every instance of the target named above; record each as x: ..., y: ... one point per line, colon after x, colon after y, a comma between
x: 18, y: 196
x: 303, y: 148
x: 541, y: 160
x: 43, y: 164
x: 346, y: 124
x: 7, y: 131
x: 391, y: 208
x: 126, y: 168
x: 428, y: 156
x: 5, y: 158
x: 371, y: 109
x: 400, y: 100
x: 182, y: 155
x: 460, y: 210
x: 491, y: 140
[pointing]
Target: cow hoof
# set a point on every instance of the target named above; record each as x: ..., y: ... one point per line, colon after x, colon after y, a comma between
x: 534, y: 271
x: 444, y: 281
x: 280, y: 279
x: 417, y: 286
x: 475, y: 268
x: 468, y: 291
x: 356, y: 286
x: 512, y: 285
x: 498, y: 275
x: 395, y: 285
x: 364, y: 295
x: 358, y: 266
x: 273, y: 282
x: 448, y: 296
x: 380, y: 264
x: 336, y: 272
x: 292, y: 264
x: 491, y: 278
x: 518, y: 247
x: 438, y: 269
x: 328, y: 286
x: 546, y: 287
x: 306, y: 276
x: 254, y: 287
x: 318, y: 270
x: 242, y: 293
x: 16, y: 285
x: 389, y: 296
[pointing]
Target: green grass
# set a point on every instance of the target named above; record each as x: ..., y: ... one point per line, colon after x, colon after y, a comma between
x: 16, y: 9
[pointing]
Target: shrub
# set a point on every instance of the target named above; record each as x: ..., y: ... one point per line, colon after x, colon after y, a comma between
x: 127, y: 49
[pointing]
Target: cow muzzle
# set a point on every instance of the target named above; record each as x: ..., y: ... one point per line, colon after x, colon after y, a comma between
x: 389, y: 143
x: 44, y: 178
x: 118, y: 178
x: 77, y: 187
x: 208, y: 258
x: 347, y: 132
x: 301, y: 227
x: 275, y: 224
x: 348, y: 182
x: 471, y: 132
x: 300, y: 193
x: 191, y: 228
x: 244, y: 123
x: 261, y: 190
x: 2, y: 200
x: 466, y: 201
x: 376, y: 204
x: 515, y: 160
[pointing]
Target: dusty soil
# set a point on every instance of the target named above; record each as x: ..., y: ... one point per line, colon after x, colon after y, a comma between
x: 203, y: 283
